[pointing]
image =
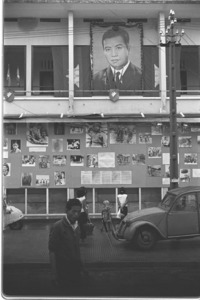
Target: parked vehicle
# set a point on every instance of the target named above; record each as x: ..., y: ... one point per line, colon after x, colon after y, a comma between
x: 12, y: 216
x: 177, y: 216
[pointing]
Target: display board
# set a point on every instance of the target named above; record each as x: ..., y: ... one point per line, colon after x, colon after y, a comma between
x: 97, y: 154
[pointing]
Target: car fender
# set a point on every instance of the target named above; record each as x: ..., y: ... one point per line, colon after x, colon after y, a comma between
x: 130, y: 231
x: 13, y: 215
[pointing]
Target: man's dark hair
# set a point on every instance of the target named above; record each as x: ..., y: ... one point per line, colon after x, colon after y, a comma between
x: 73, y: 202
x: 114, y: 32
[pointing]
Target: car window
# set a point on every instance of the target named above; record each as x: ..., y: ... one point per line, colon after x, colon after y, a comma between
x: 186, y: 203
x: 167, y: 201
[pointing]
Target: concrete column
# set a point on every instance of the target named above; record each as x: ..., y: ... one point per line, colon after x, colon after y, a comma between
x: 162, y: 63
x: 28, y: 69
x: 71, y: 61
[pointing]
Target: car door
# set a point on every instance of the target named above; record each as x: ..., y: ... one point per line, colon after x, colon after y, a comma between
x: 183, y: 218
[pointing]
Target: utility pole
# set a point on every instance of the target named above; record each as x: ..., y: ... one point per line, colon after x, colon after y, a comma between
x: 172, y: 41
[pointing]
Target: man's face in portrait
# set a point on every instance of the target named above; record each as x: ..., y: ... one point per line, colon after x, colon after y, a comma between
x: 116, y: 52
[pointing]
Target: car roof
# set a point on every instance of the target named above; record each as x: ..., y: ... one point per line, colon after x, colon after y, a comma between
x: 185, y: 189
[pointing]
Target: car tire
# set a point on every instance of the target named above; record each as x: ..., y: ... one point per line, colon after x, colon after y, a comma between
x: 145, y: 238
x: 16, y: 225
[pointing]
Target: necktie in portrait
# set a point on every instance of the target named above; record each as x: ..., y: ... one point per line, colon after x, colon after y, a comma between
x: 117, y: 80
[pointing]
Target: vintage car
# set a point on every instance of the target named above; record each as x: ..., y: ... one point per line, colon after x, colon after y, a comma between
x: 177, y: 216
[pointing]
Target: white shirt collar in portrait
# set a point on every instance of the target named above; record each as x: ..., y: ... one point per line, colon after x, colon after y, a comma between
x: 121, y: 71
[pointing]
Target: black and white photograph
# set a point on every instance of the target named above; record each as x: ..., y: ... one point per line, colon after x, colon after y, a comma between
x: 100, y: 149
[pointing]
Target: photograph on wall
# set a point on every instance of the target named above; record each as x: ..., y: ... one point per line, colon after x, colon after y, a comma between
x: 59, y: 178
x: 122, y: 133
x: 37, y: 134
x: 6, y: 169
x: 190, y: 158
x: 196, y: 173
x: 73, y: 144
x: 10, y: 128
x: 59, y: 160
x: 15, y: 146
x: 123, y: 159
x: 57, y: 145
x: 145, y: 138
x: 167, y: 171
x: 26, y: 179
x: 28, y: 161
x: 165, y: 141
x: 185, y: 141
x: 76, y: 129
x: 156, y: 129
x: 195, y: 127
x: 185, y: 175
x: 116, y: 57
x: 76, y: 160
x: 183, y: 128
x: 154, y: 152
x: 59, y: 128
x: 92, y: 161
x: 44, y: 161
x: 97, y: 135
x: 5, y: 144
x: 42, y: 180
x: 154, y: 171
x: 138, y: 159
x: 106, y: 159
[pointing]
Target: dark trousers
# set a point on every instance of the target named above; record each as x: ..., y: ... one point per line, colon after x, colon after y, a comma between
x: 83, y: 219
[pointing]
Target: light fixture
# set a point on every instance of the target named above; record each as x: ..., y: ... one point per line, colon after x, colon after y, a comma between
x: 142, y: 114
x: 185, y: 125
x: 61, y: 115
x: 182, y: 114
x: 102, y: 115
x: 159, y: 124
x: 21, y: 116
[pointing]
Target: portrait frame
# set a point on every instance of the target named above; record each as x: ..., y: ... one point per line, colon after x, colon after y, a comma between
x: 98, y: 60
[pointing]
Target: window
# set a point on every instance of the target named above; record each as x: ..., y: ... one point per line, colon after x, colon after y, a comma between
x: 186, y: 203
x: 187, y: 68
x: 15, y: 68
x: 36, y: 201
x: 50, y: 71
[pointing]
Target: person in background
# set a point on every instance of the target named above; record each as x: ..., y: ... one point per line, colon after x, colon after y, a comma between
x: 64, y: 250
x: 84, y: 217
x: 106, y: 216
x: 121, y: 73
x: 122, y: 203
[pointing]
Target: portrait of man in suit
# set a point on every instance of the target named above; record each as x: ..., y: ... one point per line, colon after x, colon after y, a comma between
x: 120, y: 74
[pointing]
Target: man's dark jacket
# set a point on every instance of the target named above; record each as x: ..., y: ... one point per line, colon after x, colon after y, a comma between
x: 131, y: 79
x: 64, y: 242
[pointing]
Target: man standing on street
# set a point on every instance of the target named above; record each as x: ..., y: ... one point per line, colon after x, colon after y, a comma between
x: 65, y: 250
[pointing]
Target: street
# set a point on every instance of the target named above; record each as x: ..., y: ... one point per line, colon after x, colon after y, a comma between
x: 171, y: 269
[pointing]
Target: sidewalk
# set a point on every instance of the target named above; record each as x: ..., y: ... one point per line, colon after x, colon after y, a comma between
x: 30, y: 245
x: 172, y: 269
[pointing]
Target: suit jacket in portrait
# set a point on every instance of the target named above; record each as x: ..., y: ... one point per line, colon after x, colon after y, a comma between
x: 131, y: 80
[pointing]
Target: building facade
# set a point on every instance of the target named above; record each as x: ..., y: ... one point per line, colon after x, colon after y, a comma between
x: 68, y: 124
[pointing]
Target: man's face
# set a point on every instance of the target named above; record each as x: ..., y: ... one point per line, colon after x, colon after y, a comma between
x: 15, y: 146
x: 116, y: 52
x: 73, y: 214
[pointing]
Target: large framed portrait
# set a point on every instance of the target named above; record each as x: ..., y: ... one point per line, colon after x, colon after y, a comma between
x: 116, y: 57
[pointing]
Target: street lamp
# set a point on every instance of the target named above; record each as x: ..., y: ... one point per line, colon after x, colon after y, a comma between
x: 172, y: 41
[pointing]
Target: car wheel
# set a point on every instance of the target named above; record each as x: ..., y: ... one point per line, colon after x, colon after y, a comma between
x: 145, y: 238
x: 16, y: 225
